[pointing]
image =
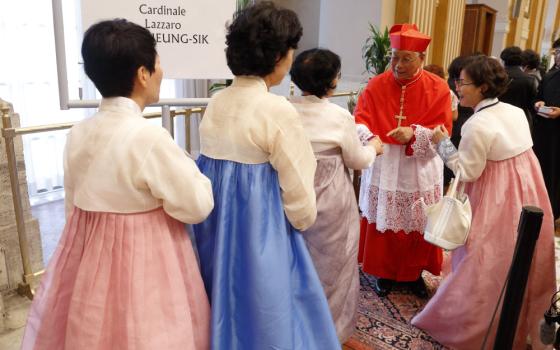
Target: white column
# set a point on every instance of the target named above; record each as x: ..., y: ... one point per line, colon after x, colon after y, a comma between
x: 456, y: 17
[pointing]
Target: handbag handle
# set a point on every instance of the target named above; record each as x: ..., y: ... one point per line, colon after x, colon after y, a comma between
x: 456, y: 180
x: 454, y: 184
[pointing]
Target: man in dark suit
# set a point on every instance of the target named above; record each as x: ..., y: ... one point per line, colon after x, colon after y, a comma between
x: 546, y: 136
x: 521, y: 90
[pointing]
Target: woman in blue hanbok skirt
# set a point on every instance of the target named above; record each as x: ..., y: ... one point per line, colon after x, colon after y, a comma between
x: 263, y: 287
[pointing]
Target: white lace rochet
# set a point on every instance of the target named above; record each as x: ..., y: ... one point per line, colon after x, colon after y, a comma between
x: 395, y: 181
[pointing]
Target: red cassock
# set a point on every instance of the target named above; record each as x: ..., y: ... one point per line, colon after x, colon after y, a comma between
x: 400, y: 253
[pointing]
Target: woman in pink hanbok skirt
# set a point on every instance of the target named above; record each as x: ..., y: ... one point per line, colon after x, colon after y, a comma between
x: 124, y: 275
x: 503, y: 175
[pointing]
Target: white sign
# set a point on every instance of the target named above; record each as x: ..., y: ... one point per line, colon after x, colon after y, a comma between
x: 190, y: 34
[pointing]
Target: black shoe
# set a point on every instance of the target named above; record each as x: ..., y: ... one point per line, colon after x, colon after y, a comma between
x: 418, y: 288
x: 383, y: 286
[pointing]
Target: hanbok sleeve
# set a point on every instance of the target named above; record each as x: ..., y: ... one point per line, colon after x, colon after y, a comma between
x: 472, y: 154
x: 362, y: 116
x: 174, y: 178
x: 356, y: 155
x: 292, y: 157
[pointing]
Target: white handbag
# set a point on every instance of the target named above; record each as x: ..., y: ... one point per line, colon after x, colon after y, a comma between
x: 449, y: 221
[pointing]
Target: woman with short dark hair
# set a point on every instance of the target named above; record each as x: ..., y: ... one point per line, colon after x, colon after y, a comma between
x: 264, y: 290
x: 333, y: 239
x: 128, y: 46
x: 124, y: 275
x: 496, y: 160
x: 258, y: 38
x: 316, y: 72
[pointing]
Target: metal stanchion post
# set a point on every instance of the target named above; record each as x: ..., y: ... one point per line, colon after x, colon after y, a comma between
x: 528, y: 234
x: 188, y: 145
x: 166, y: 120
x: 8, y: 133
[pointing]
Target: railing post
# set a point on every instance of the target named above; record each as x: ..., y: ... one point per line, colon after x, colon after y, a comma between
x: 188, y: 113
x: 528, y: 234
x: 8, y: 133
x: 166, y: 120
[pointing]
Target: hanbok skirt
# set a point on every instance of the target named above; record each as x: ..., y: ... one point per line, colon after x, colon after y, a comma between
x: 120, y: 281
x: 265, y: 293
x: 459, y: 313
x: 333, y: 240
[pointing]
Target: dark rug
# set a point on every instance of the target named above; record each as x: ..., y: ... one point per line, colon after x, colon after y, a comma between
x: 384, y: 323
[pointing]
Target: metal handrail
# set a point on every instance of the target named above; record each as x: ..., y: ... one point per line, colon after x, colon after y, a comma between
x: 187, y: 112
x: 345, y: 93
x: 9, y: 133
x: 12, y: 132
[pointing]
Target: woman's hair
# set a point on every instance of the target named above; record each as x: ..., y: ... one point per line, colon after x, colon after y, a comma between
x: 531, y: 59
x: 113, y: 51
x: 486, y: 70
x: 455, y: 67
x: 435, y: 69
x: 512, y: 56
x: 314, y: 70
x: 259, y: 37
x: 454, y: 71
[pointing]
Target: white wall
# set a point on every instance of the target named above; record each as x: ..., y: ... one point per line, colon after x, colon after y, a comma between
x: 344, y: 29
x: 341, y: 26
x: 308, y: 12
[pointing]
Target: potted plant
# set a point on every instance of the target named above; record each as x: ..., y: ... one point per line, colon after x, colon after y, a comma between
x: 375, y: 53
x: 241, y: 4
x: 376, y: 49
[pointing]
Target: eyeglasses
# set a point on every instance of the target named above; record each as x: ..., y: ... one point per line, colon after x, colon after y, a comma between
x: 403, y: 60
x: 461, y: 82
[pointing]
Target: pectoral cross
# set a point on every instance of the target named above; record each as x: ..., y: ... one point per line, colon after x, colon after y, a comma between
x: 401, y: 117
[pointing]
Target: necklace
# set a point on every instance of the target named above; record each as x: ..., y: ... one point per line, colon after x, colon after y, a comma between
x: 487, y: 106
x: 401, y: 117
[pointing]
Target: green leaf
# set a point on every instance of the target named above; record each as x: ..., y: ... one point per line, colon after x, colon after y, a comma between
x: 241, y: 4
x: 375, y: 50
x: 216, y: 87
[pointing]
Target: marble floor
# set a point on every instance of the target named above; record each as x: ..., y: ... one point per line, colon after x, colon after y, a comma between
x: 51, y: 221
